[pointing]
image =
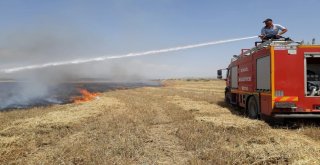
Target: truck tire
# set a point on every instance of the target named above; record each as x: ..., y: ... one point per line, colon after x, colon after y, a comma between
x: 227, y: 97
x: 252, y: 108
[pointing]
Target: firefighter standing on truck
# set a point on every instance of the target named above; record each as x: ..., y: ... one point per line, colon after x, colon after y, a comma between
x: 271, y: 31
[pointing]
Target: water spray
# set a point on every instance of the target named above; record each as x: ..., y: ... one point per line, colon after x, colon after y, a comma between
x: 103, y: 58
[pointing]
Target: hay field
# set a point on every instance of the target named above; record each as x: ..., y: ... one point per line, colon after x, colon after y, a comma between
x: 183, y: 122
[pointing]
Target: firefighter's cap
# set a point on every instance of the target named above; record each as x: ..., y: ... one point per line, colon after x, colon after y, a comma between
x: 267, y: 20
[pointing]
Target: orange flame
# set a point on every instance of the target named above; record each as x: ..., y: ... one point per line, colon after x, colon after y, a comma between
x: 86, y: 96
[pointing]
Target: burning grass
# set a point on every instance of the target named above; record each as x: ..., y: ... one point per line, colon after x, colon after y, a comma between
x: 85, y: 96
x: 184, y: 122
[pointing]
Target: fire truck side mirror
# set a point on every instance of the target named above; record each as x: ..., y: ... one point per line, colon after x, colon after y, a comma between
x: 219, y: 74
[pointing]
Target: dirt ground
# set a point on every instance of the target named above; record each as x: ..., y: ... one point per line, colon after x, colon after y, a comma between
x: 183, y: 122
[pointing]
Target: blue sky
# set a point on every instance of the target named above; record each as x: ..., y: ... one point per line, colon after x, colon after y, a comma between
x: 37, y: 31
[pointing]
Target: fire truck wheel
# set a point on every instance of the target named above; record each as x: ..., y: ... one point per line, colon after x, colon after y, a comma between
x: 253, y: 108
x: 227, y: 97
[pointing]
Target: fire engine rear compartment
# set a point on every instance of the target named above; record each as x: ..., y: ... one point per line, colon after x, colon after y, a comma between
x: 312, y: 72
x: 296, y: 84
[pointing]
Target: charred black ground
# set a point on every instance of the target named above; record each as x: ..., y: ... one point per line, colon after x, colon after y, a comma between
x: 11, y: 96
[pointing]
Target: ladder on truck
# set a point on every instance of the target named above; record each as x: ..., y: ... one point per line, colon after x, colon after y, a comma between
x: 260, y: 45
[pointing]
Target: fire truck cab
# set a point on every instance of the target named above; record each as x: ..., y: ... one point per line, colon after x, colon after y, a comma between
x: 278, y: 79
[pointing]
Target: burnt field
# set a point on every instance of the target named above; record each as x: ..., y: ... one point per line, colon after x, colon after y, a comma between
x: 180, y: 122
x: 20, y: 95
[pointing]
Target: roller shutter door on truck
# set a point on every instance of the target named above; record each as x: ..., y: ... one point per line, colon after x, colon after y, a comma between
x: 234, y: 77
x: 263, y: 73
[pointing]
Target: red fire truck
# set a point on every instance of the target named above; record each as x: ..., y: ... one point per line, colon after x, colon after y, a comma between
x: 278, y: 79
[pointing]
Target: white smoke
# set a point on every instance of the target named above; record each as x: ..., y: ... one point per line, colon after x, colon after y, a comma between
x: 103, y: 58
x: 38, y: 84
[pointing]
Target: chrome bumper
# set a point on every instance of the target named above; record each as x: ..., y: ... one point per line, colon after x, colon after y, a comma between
x: 297, y: 115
